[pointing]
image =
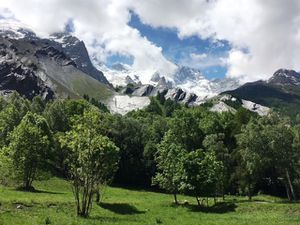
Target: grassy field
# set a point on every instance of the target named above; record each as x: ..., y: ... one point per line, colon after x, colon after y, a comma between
x: 53, y: 204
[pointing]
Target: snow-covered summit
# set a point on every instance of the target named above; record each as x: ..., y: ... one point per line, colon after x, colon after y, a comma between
x: 14, y: 29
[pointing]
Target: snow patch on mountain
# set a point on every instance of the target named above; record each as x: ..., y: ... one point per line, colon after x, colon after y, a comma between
x: 257, y: 108
x: 123, y: 104
x: 14, y: 29
x: 222, y: 107
x: 122, y: 74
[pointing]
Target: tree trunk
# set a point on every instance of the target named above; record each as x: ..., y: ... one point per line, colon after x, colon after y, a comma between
x: 290, y: 184
x: 175, y: 198
x: 98, y: 196
x: 287, y: 191
x: 249, y: 192
x: 198, y: 201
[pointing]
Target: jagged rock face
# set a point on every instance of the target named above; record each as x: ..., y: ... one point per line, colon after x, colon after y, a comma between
x: 51, y: 52
x: 155, y: 77
x: 184, y: 74
x: 176, y: 94
x: 145, y: 90
x: 15, y: 76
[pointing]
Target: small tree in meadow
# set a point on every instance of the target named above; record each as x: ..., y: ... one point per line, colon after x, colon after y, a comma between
x: 92, y: 160
x: 29, y: 148
x: 201, y: 173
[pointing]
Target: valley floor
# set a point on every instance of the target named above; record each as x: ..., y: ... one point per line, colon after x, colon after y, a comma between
x: 53, y: 204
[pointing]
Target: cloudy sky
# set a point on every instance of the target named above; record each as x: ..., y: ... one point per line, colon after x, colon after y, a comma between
x: 247, y: 39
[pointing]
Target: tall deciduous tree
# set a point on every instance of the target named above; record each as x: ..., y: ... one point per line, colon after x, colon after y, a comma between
x: 252, y: 145
x: 169, y: 160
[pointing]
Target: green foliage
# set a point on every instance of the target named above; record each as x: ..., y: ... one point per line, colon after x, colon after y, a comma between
x: 186, y: 130
x: 29, y: 148
x: 127, y: 134
x: 169, y: 160
x: 92, y: 160
x: 37, y: 105
x: 268, y: 143
x: 154, y: 107
x: 96, y: 103
x: 9, y: 118
x: 202, y: 173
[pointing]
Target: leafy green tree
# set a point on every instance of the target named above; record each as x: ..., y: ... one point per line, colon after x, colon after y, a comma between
x: 56, y: 115
x: 185, y: 127
x: 128, y: 135
x: 155, y: 107
x: 252, y: 146
x: 92, y: 161
x: 201, y: 173
x: 283, y: 153
x: 22, y: 104
x: 169, y: 160
x: 59, y: 113
x: 29, y: 148
x: 214, y: 143
x: 9, y: 119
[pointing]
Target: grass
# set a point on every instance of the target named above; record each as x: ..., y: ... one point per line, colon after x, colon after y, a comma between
x: 53, y: 204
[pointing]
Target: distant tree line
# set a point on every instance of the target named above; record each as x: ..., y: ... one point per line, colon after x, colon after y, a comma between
x: 166, y: 145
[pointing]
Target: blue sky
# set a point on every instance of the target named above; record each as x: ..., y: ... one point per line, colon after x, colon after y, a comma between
x: 179, y: 50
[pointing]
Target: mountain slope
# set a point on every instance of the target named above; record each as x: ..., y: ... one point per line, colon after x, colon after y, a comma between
x: 49, y: 68
x: 281, y: 92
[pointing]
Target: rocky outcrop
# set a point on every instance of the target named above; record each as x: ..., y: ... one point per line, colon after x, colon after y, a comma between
x: 15, y: 75
x: 76, y: 50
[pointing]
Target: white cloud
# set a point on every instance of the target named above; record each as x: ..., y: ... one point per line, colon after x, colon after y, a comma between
x: 269, y: 30
x: 202, y: 61
x: 198, y: 56
x: 102, y: 24
x: 264, y: 35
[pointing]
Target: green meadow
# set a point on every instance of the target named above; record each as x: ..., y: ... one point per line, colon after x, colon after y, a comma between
x: 53, y: 203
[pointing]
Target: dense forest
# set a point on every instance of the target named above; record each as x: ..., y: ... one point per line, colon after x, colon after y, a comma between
x: 166, y: 146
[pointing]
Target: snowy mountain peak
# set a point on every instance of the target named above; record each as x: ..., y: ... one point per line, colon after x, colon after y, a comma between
x: 155, y: 77
x: 285, y: 77
x: 65, y: 39
x: 184, y: 74
x: 120, y: 67
x: 15, y: 30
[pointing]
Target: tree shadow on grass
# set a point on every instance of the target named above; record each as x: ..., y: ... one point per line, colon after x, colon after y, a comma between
x: 48, y: 192
x: 121, y: 208
x: 39, y: 191
x: 219, y: 208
